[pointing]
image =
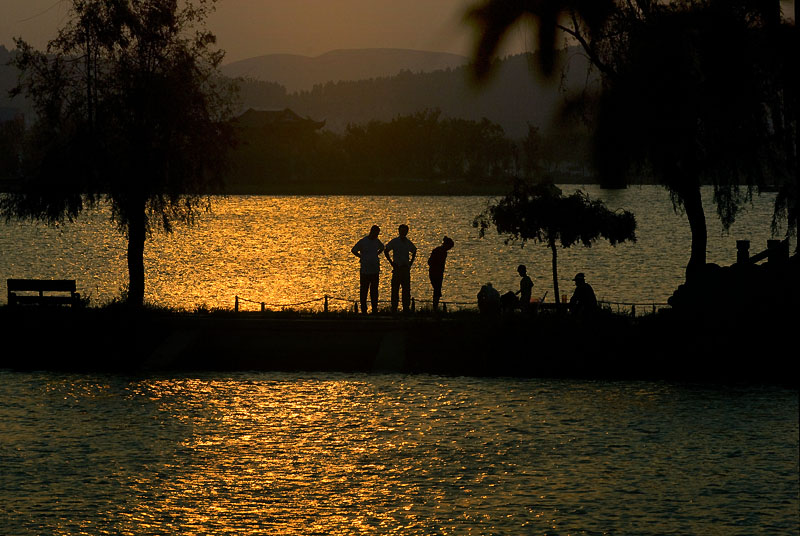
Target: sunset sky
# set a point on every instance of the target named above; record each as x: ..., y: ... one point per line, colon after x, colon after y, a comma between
x: 248, y: 28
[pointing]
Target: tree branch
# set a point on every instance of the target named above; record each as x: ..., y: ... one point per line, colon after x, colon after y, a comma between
x: 587, y: 47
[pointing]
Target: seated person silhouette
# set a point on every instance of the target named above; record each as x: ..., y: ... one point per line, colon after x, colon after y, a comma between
x: 488, y: 300
x: 583, y: 299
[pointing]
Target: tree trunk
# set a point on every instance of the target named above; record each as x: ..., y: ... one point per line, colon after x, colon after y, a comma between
x: 137, y: 231
x: 796, y: 147
x: 554, y: 249
x: 693, y: 203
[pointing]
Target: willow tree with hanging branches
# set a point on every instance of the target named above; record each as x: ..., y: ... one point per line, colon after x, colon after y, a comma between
x: 692, y: 92
x: 129, y: 111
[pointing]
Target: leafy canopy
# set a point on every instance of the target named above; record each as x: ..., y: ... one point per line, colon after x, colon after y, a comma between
x: 129, y: 109
x: 541, y: 213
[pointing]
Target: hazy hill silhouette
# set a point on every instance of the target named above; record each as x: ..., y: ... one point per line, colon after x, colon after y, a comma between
x: 513, y: 98
x: 297, y: 73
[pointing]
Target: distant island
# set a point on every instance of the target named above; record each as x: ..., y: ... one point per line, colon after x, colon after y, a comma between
x: 424, y: 130
x: 425, y: 153
x: 357, y: 86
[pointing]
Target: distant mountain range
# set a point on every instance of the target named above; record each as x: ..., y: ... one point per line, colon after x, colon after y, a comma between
x: 357, y: 86
x: 514, y: 97
x: 298, y: 73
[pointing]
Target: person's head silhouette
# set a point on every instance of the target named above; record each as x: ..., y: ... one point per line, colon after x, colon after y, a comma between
x: 522, y: 270
x: 402, y: 231
x: 447, y: 242
x: 374, y: 232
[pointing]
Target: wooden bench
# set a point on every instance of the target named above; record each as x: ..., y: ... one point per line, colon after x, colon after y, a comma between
x: 66, y: 288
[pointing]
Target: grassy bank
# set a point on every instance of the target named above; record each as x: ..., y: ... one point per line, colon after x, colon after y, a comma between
x: 663, y: 346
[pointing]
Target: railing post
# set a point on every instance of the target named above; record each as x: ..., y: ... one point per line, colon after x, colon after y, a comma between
x: 413, y: 304
x: 355, y: 307
x: 325, y: 307
x: 236, y: 305
x: 633, y: 310
x: 778, y: 252
x: 444, y: 307
x: 262, y: 307
x: 742, y: 251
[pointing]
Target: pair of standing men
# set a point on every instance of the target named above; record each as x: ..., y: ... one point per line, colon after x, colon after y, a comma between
x: 404, y: 252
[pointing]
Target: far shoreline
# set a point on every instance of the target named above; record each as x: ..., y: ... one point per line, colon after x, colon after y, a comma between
x: 407, y: 187
x: 493, y: 187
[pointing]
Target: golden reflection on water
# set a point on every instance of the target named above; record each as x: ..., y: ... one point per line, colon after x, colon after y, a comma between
x: 351, y: 454
x: 291, y: 249
x: 319, y: 458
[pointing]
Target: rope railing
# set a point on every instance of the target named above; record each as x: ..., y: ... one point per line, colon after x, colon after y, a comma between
x: 327, y: 298
x: 633, y: 305
x: 264, y: 305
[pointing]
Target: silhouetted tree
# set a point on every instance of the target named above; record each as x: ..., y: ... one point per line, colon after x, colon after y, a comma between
x: 11, y: 135
x: 426, y: 145
x: 691, y: 101
x: 695, y: 90
x: 531, y: 152
x: 128, y: 112
x: 494, y: 19
x: 541, y: 213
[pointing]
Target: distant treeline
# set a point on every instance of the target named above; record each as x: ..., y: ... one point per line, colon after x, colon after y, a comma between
x: 423, y: 151
x: 12, y: 132
x: 417, y: 128
x: 423, y: 147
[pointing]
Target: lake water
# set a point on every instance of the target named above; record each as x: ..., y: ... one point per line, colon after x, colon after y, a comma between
x: 387, y: 454
x: 289, y: 250
x: 282, y: 453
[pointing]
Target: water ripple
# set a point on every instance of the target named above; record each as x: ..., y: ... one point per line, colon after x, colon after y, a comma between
x: 301, y: 454
x: 289, y: 249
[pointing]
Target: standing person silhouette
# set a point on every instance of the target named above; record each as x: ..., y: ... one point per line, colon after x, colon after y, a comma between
x: 525, y: 288
x: 436, y: 268
x: 403, y: 258
x: 368, y: 250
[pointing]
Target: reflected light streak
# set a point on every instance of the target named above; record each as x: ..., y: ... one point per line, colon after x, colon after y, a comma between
x: 299, y: 454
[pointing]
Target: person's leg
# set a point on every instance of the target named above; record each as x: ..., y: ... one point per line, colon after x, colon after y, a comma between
x: 396, y: 281
x: 436, y: 283
x: 373, y: 292
x: 406, y: 283
x: 363, y: 292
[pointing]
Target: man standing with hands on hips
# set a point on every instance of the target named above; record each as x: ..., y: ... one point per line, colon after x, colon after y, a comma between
x: 404, y: 254
x: 368, y: 250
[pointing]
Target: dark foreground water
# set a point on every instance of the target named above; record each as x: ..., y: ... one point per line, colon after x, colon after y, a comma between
x: 389, y: 454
